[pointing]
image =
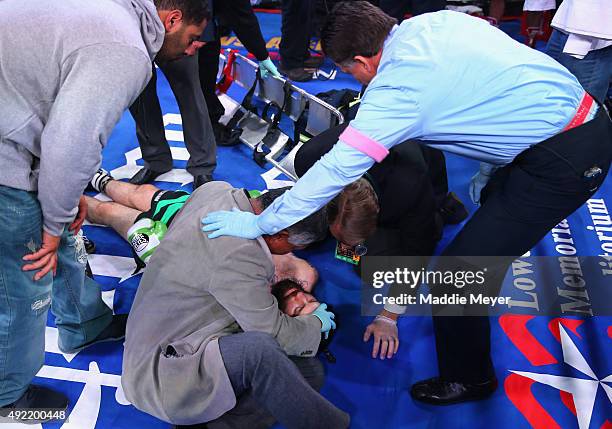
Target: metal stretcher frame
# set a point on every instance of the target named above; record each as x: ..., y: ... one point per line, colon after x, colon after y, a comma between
x: 321, y: 115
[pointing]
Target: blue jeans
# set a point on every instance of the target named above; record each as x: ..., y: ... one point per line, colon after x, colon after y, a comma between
x: 594, y: 71
x: 75, y: 300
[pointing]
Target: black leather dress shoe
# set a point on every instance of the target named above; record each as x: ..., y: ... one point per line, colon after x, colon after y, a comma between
x: 299, y: 74
x: 439, y: 392
x: 145, y: 175
x: 313, y: 62
x: 200, y: 179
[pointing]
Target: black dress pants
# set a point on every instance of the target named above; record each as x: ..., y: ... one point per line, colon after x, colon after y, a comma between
x: 398, y: 8
x: 208, y: 63
x: 521, y: 203
x: 297, y: 16
x: 182, y: 76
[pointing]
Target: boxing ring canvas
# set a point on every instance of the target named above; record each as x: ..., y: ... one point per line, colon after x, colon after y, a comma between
x: 553, y: 373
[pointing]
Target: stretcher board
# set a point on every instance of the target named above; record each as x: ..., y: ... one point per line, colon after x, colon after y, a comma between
x: 321, y: 115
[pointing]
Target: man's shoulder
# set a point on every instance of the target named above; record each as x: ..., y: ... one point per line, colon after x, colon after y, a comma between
x: 213, y: 186
x: 211, y: 193
x: 102, y: 23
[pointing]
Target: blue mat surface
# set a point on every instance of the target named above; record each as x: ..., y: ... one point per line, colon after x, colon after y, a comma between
x: 576, y: 356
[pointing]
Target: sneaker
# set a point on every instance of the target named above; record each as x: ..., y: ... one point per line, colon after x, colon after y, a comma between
x: 115, y: 331
x: 100, y: 180
x: 35, y: 398
x: 90, y: 246
x: 298, y: 74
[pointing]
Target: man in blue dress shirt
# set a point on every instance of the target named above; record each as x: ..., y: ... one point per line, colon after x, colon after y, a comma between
x: 458, y: 84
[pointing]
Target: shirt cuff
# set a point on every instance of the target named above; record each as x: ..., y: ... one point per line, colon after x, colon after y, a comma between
x: 395, y: 308
x: 54, y: 228
x: 364, y: 144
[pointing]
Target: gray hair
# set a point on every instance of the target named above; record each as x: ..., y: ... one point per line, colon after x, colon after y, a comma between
x: 307, y: 231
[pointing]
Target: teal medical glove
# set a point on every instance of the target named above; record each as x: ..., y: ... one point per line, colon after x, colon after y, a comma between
x: 480, y: 180
x: 267, y: 66
x: 235, y: 223
x: 326, y: 318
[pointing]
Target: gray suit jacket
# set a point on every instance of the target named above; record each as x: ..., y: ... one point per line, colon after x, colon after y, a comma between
x: 194, y: 291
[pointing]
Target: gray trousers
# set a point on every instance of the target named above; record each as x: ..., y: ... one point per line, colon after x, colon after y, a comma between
x: 272, y: 387
x: 184, y: 80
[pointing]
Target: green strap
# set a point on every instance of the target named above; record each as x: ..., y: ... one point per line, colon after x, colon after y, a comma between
x: 176, y: 204
x: 254, y: 193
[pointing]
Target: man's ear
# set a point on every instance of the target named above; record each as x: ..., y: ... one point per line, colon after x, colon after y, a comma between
x: 173, y: 20
x: 364, y: 61
x: 280, y: 236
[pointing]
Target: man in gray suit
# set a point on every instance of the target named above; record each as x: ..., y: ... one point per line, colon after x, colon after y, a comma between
x: 205, y: 338
x: 142, y: 214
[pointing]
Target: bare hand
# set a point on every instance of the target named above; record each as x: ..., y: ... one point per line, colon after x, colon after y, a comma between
x: 386, y: 339
x: 77, y: 223
x: 197, y: 44
x: 45, y: 259
x: 193, y: 48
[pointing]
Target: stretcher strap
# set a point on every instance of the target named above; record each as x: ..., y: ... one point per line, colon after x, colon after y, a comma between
x: 246, y: 104
x: 273, y: 133
x: 227, y: 78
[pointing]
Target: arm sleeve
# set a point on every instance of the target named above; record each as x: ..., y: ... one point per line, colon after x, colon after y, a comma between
x: 241, y: 287
x: 98, y: 83
x: 338, y: 168
x: 387, y: 116
x: 240, y: 17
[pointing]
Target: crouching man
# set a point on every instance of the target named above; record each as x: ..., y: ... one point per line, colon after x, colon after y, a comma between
x: 205, y: 337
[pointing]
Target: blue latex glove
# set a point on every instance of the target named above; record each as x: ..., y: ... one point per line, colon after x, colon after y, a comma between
x: 235, y: 223
x: 480, y: 180
x: 326, y: 318
x: 267, y: 66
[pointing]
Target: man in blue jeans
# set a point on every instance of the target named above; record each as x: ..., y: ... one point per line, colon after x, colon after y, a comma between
x: 62, y: 94
x: 582, y: 42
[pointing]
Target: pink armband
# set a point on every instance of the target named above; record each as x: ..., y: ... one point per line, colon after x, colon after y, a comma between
x: 364, y: 144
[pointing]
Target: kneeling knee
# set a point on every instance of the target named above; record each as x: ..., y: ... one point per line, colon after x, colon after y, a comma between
x: 147, y: 188
x: 260, y: 340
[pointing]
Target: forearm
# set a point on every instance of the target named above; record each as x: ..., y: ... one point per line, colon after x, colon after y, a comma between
x: 242, y: 20
x: 97, y: 89
x: 59, y: 192
x: 327, y: 177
